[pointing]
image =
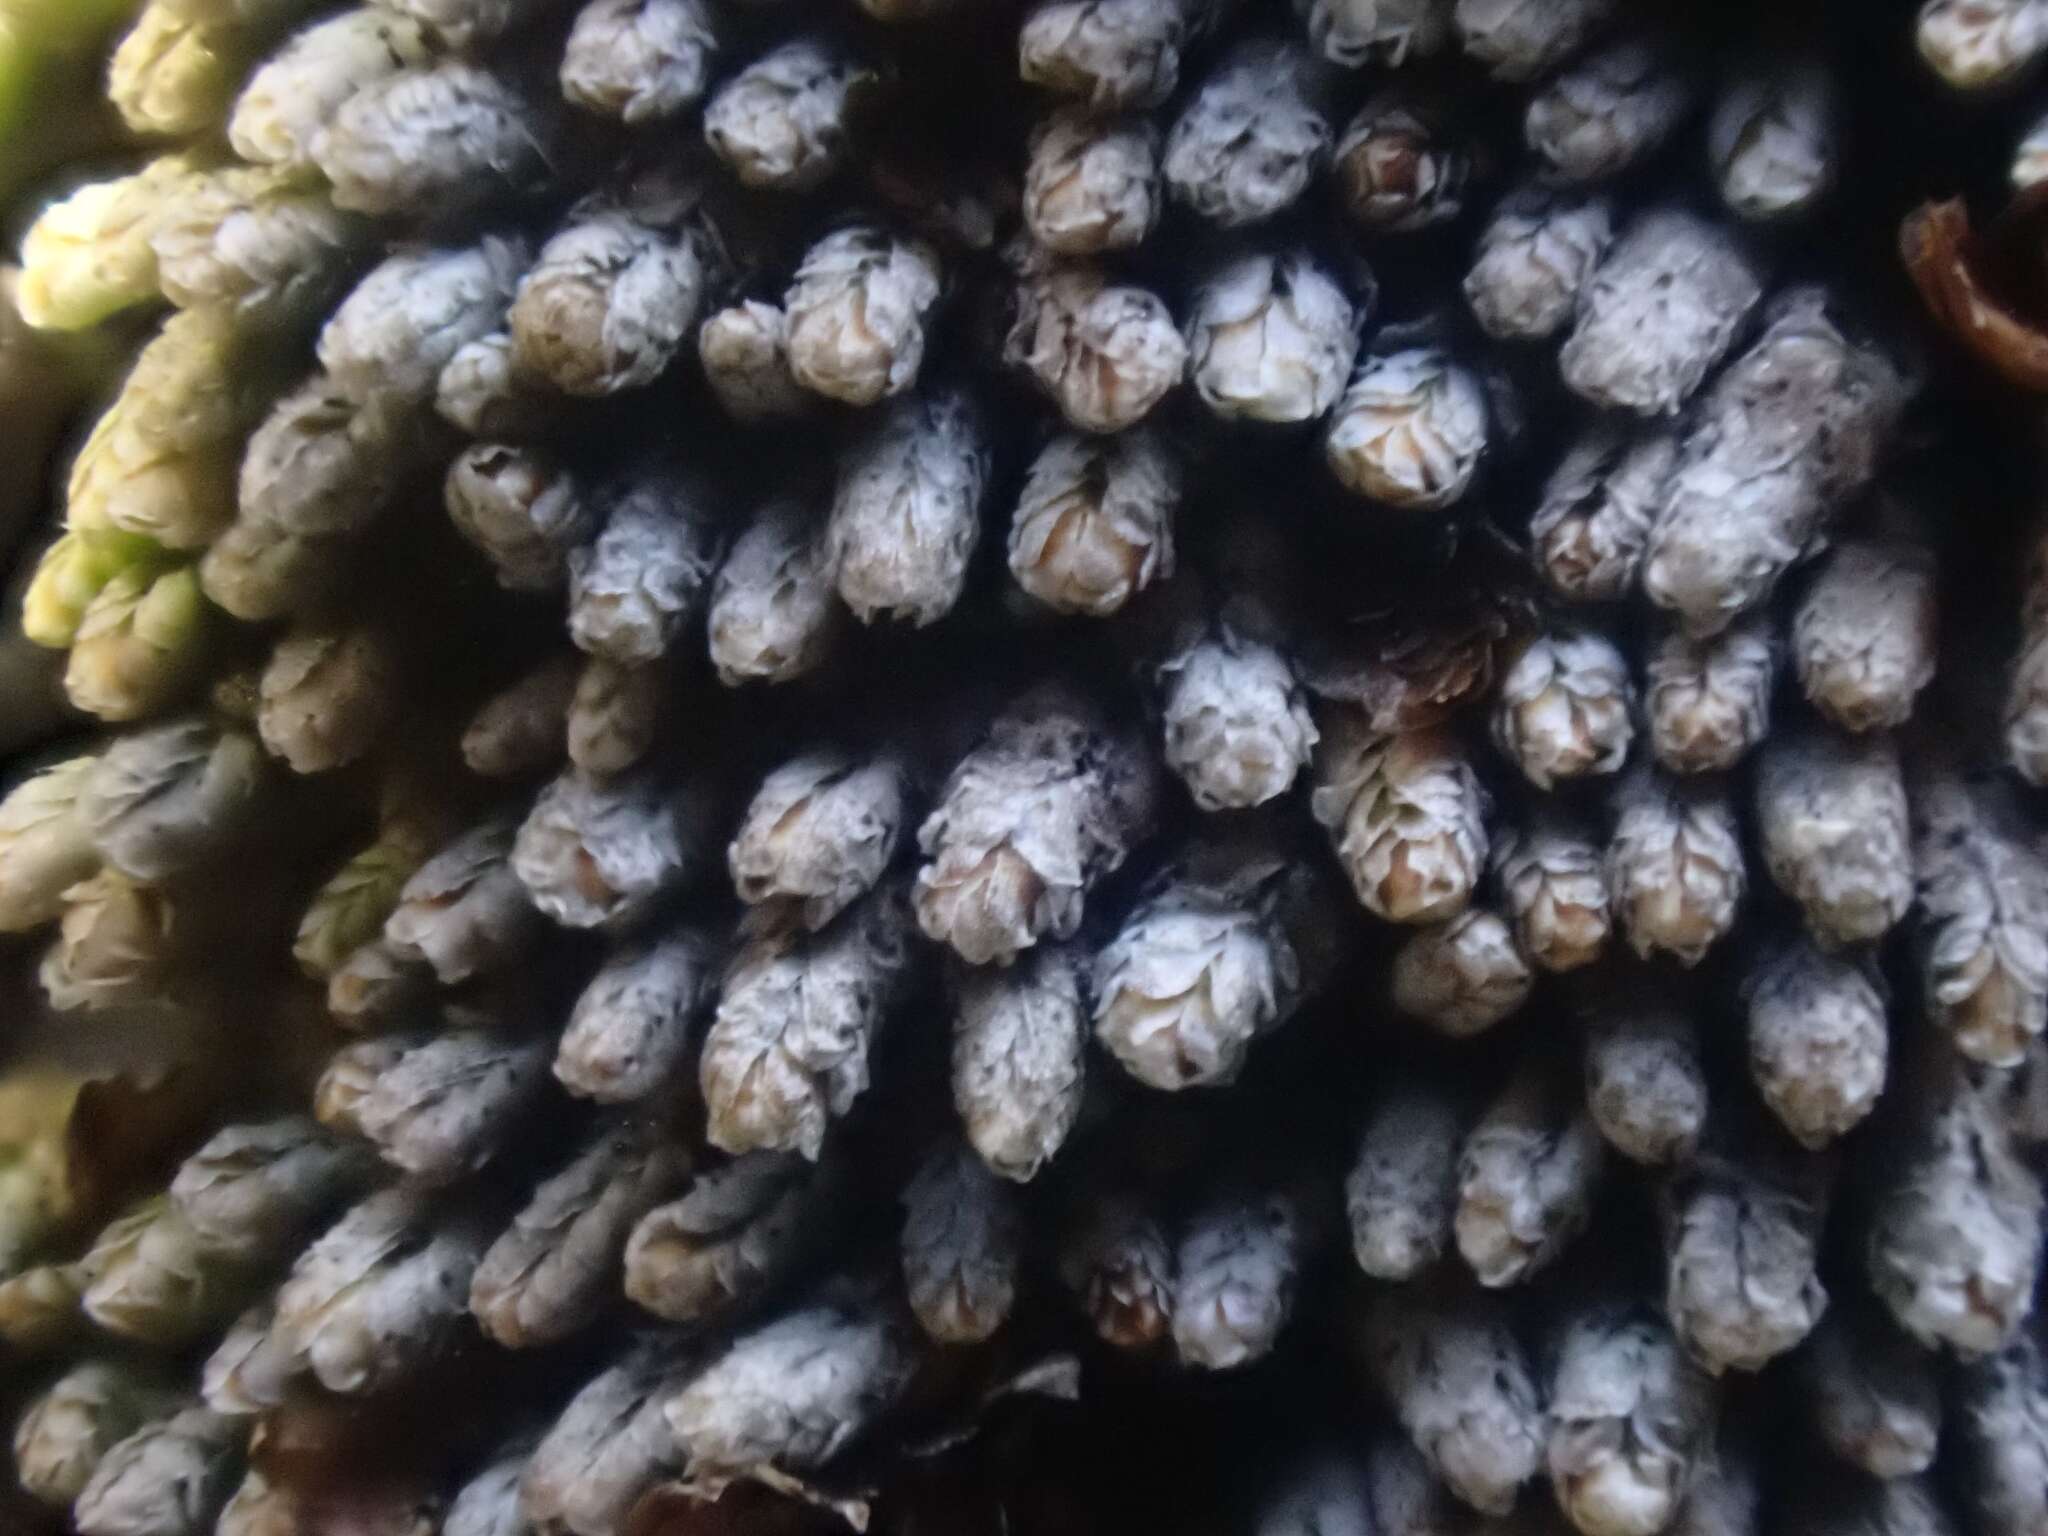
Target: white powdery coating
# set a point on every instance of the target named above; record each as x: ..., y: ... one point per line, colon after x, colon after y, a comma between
x: 488, y: 1504
x: 1400, y: 165
x: 1119, y: 1266
x: 640, y: 61
x: 1248, y: 144
x: 1406, y: 816
x: 249, y: 1372
x: 398, y: 328
x: 1629, y: 1417
x: 466, y: 25
x: 1864, y: 638
x: 464, y: 911
x: 1742, y: 1246
x: 1875, y: 1395
x: 1975, y: 45
x: 1708, y: 702
x: 1115, y: 55
x: 2003, y: 1426
x: 1092, y: 184
x: 1094, y: 522
x: 648, y: 573
x: 1237, y: 724
x: 322, y: 463
x: 1410, y: 431
x: 1271, y: 338
x: 327, y: 696
x: 431, y: 139
x: 609, y: 1446
x: 821, y: 830
x: 607, y: 306
x: 1790, y: 429
x: 1646, y: 1085
x: 442, y: 1111
x: 484, y: 393
x: 601, y: 854
x: 790, y: 1394
x: 297, y: 91
x: 251, y: 243
x: 556, y: 1268
x: 773, y: 613
x: 1773, y: 141
x: 1818, y: 1044
x: 1983, y: 894
x: 1596, y: 513
x: 324, y: 466
x: 1526, y: 1176
x: 1193, y: 976
x: 1534, y: 259
x: 171, y: 799
x: 857, y: 310
x: 1564, y: 708
x: 1675, y: 866
x: 1954, y: 1245
x: 1522, y: 39
x: 1462, y: 977
x: 1390, y: 32
x: 628, y: 1036
x: 785, y: 121
x: 1402, y: 1191
x: 381, y: 1292
x: 737, y: 1229
x: 1019, y: 1059
x: 1603, y: 114
x: 745, y: 353
x: 962, y: 1245
x: 1104, y: 353
x: 1831, y: 814
x: 1660, y: 311
x: 2026, y: 709
x: 1461, y: 1388
x: 906, y: 511
x: 2030, y: 157
x: 1553, y: 885
x: 1238, y: 1264
x: 1048, y: 804
x: 251, y: 1188
x: 169, y: 1478
x: 787, y: 1051
x: 45, y: 845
